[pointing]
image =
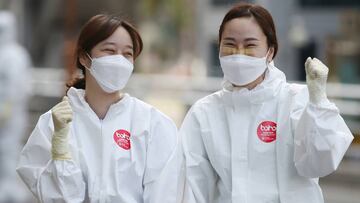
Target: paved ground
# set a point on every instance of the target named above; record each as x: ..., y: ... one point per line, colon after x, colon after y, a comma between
x: 344, y: 185
x: 341, y: 193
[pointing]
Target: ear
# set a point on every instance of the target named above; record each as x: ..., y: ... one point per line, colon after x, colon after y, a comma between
x: 84, y: 60
x: 270, y: 54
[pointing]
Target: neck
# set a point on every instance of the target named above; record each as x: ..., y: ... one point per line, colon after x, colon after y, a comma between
x: 98, y: 100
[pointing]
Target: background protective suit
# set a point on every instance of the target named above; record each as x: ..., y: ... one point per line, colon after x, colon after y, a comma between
x: 14, y: 91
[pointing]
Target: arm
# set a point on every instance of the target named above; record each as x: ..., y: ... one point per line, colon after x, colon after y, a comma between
x: 200, y: 177
x: 321, y: 135
x: 161, y: 171
x: 49, y: 179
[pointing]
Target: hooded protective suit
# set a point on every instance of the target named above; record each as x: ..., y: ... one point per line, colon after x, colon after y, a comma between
x: 129, y: 156
x: 14, y: 92
x: 268, y: 144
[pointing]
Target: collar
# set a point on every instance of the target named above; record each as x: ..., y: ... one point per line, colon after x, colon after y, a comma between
x: 267, y: 89
x: 78, y: 102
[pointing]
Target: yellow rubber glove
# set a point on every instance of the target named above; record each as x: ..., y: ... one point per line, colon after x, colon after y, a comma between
x: 62, y: 116
x: 316, y: 76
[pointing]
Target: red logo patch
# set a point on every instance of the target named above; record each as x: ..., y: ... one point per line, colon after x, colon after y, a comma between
x: 266, y: 131
x: 122, y: 138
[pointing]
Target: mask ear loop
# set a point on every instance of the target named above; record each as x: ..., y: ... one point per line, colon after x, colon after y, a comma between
x: 89, y: 56
x: 267, y: 54
x: 90, y: 60
x: 267, y: 63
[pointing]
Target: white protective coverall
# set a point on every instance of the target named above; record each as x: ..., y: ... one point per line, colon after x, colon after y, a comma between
x: 268, y: 144
x: 129, y: 156
x: 14, y: 91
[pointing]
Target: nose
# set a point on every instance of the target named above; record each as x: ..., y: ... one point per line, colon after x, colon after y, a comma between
x: 241, y: 51
x: 118, y: 52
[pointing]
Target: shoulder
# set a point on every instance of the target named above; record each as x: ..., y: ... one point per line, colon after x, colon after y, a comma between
x: 296, y: 88
x: 298, y: 93
x: 154, y: 115
x: 160, y: 126
x: 159, y: 118
x: 139, y: 104
x: 209, y: 101
x: 205, y: 109
x: 44, y: 125
x: 45, y: 118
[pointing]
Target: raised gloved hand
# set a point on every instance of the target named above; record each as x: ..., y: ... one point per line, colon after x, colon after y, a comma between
x: 316, y: 76
x: 62, y: 116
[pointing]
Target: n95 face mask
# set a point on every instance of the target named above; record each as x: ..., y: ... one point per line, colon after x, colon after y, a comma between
x: 242, y: 69
x: 111, y: 72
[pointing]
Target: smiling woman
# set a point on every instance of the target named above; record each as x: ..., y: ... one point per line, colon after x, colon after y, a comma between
x: 100, y: 144
x: 247, y: 31
x: 93, y: 35
x: 260, y: 139
x: 260, y: 18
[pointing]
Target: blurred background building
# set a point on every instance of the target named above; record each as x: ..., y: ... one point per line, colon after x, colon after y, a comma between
x: 180, y: 63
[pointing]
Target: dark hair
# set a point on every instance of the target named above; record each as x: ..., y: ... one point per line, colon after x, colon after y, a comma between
x: 97, y: 29
x: 262, y: 17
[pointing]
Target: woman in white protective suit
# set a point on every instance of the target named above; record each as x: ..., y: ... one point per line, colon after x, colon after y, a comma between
x: 100, y: 144
x: 260, y: 139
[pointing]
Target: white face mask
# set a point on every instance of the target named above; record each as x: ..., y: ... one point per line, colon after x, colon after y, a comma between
x: 242, y: 69
x: 111, y: 72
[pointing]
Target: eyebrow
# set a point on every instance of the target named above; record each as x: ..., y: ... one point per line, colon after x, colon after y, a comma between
x: 229, y: 39
x: 246, y: 39
x: 251, y: 39
x: 109, y: 43
x: 129, y: 46
x: 114, y: 44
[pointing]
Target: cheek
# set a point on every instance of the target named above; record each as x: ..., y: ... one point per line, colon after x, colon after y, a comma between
x: 262, y: 51
x: 225, y: 51
x: 93, y: 52
x: 131, y: 59
x: 100, y: 54
x: 96, y: 53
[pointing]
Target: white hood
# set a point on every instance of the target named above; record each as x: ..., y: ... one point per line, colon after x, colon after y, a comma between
x: 265, y: 90
x: 7, y: 27
x: 77, y: 101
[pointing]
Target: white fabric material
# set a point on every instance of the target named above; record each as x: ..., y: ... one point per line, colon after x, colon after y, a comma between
x: 111, y: 72
x: 262, y: 179
x: 14, y: 92
x: 7, y: 27
x: 221, y: 163
x: 106, y: 167
x: 241, y: 69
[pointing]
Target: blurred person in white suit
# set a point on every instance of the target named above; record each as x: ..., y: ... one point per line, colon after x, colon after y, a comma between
x: 14, y: 91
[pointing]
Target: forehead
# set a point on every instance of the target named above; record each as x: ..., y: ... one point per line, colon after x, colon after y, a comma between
x: 244, y: 27
x: 120, y: 38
